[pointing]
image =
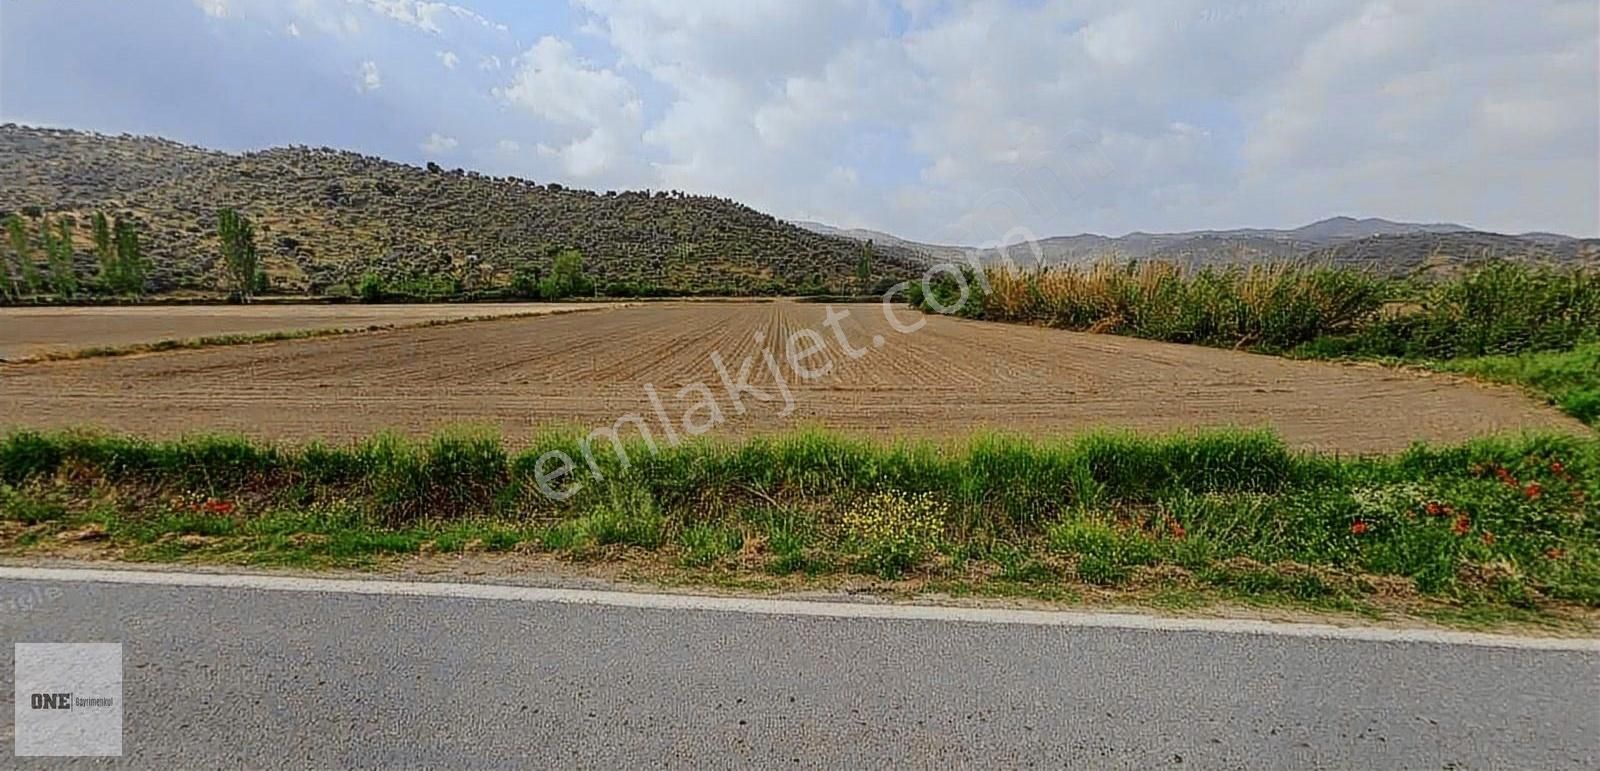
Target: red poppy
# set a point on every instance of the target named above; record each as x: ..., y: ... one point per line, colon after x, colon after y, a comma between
x: 1358, y: 527
x: 1488, y: 538
x: 1555, y: 552
x: 1533, y: 491
x: 1434, y: 508
x: 1462, y: 525
x: 1557, y: 468
x: 218, y: 507
x: 1177, y: 530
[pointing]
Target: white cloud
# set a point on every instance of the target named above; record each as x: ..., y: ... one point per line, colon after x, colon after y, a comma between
x: 431, y: 17
x: 437, y: 143
x: 934, y: 119
x: 1096, y: 115
x: 595, y: 110
x: 370, y: 80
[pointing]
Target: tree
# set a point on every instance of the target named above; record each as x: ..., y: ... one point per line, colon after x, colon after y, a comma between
x: 525, y: 283
x: 10, y: 288
x: 128, y: 275
x: 58, y: 256
x: 864, y: 266
x: 372, y: 289
x: 22, y: 246
x: 105, y: 250
x: 566, y: 278
x: 239, y: 252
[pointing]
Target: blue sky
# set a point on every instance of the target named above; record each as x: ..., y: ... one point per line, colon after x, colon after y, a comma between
x: 940, y: 121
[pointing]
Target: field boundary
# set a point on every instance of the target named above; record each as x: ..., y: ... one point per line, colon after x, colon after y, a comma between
x: 256, y: 338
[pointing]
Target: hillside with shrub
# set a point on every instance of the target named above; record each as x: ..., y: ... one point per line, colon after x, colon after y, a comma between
x: 327, y: 220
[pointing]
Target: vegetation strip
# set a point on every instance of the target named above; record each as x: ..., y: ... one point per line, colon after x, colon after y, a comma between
x: 210, y: 341
x: 1491, y: 529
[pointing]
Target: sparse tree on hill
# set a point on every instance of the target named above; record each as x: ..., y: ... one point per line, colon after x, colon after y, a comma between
x: 239, y: 252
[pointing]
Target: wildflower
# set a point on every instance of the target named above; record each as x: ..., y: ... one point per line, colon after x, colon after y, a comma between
x: 1359, y: 526
x: 1488, y: 538
x: 1462, y: 525
x: 1435, y: 509
x: 1558, y: 468
x: 1533, y: 491
x: 1506, y: 478
x: 212, y: 506
x: 1177, y: 529
x: 1555, y: 553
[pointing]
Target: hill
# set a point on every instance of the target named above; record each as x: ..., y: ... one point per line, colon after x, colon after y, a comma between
x: 1385, y: 246
x: 327, y: 217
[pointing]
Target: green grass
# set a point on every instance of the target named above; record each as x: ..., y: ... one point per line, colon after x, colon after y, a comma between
x: 1569, y: 379
x: 1502, y: 523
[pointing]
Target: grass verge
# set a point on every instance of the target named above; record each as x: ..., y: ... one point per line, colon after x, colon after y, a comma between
x: 1496, y: 528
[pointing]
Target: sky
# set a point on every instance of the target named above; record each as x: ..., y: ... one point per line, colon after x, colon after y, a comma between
x: 948, y: 122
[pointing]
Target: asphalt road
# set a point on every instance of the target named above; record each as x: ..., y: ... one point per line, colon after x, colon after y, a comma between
x: 247, y: 677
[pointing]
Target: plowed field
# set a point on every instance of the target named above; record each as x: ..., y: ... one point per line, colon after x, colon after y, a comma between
x: 947, y: 378
x: 28, y: 332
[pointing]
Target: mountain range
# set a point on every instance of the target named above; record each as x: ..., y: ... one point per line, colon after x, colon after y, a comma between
x: 1394, y: 248
x: 327, y: 218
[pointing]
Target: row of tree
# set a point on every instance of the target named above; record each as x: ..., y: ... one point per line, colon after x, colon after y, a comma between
x: 122, y: 266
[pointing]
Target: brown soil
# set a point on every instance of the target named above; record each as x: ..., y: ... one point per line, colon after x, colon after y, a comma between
x: 589, y: 369
x: 28, y: 332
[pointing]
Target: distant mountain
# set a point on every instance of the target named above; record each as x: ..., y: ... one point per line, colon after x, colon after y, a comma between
x: 1390, y: 247
x: 327, y: 217
x: 933, y: 252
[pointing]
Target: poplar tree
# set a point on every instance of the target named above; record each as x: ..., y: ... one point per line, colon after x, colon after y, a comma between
x: 129, y: 273
x: 105, y: 251
x: 239, y: 252
x: 58, y: 255
x: 17, y: 232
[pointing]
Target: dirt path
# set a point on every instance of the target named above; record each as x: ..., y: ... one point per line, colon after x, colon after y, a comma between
x: 33, y: 331
x: 947, y: 378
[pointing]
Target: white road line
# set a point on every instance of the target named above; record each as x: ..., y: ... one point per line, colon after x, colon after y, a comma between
x: 762, y: 606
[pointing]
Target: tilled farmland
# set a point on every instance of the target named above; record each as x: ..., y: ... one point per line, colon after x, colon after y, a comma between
x: 42, y: 331
x: 859, y: 374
